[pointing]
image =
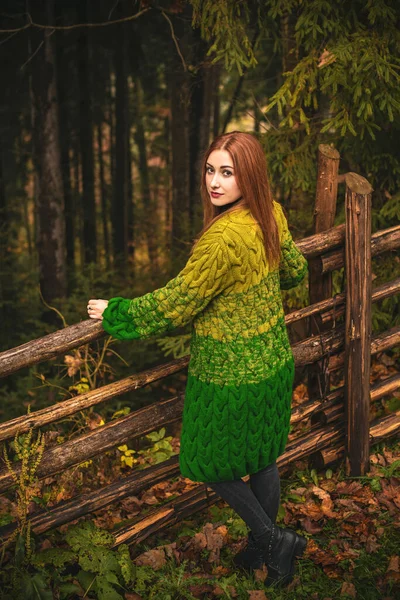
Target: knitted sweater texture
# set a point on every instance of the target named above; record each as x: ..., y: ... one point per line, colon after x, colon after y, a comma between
x: 237, y: 406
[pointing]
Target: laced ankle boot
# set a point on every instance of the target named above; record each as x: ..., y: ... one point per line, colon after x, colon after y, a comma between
x: 251, y: 557
x: 280, y: 549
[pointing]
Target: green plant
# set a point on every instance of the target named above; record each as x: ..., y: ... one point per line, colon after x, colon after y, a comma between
x: 178, y: 345
x: 29, y: 452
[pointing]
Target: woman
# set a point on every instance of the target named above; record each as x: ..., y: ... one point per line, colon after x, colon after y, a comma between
x: 237, y: 405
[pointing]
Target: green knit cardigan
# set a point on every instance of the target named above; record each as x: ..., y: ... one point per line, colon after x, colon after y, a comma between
x: 237, y: 406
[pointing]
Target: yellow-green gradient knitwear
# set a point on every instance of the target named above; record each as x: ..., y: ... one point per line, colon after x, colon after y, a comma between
x: 238, y: 396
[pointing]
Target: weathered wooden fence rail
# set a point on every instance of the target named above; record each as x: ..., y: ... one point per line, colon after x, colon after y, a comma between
x: 334, y: 416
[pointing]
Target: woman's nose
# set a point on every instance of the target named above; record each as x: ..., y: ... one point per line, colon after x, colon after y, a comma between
x: 214, y: 181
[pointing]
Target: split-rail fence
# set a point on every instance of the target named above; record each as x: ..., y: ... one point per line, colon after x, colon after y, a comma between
x: 338, y: 420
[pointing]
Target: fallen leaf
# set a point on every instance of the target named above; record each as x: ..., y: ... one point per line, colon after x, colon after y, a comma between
x: 327, y: 503
x: 348, y: 488
x: 257, y: 595
x: 310, y: 526
x: 393, y: 564
x: 348, y: 589
x: 154, y: 558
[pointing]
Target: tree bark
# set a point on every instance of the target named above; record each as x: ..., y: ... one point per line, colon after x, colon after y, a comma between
x: 120, y: 201
x: 150, y: 223
x: 358, y: 323
x: 86, y: 137
x: 179, y: 96
x: 320, y: 285
x: 63, y: 84
x: 103, y: 195
x: 50, y: 198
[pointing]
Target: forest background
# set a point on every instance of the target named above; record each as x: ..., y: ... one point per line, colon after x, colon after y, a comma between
x: 106, y: 107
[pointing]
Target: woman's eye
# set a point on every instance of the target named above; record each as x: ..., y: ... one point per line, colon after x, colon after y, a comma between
x: 209, y: 170
x: 227, y: 173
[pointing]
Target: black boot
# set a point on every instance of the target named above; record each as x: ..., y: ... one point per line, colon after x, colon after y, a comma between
x: 251, y: 557
x: 280, y: 549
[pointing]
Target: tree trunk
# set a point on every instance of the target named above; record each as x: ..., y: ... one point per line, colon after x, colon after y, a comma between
x: 86, y: 137
x: 199, y: 130
x: 103, y: 195
x: 216, y: 99
x: 50, y: 199
x: 120, y: 201
x: 150, y: 223
x: 179, y: 96
x: 63, y: 84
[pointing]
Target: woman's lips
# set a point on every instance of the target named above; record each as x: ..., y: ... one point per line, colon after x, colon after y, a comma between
x: 215, y: 194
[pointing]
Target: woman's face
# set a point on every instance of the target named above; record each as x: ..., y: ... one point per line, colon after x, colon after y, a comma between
x: 220, y: 178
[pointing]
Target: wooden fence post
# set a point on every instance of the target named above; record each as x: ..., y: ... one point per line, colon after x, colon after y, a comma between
x: 320, y: 284
x: 358, y: 323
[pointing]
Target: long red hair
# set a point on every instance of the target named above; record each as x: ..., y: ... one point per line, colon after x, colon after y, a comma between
x: 251, y: 174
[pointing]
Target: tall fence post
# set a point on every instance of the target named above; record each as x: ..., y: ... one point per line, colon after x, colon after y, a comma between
x: 358, y: 323
x: 319, y: 283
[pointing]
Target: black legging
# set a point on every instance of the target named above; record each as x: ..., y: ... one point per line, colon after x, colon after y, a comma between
x: 258, y: 504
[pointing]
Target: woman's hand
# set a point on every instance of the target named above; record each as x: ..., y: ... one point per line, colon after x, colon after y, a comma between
x: 96, y: 308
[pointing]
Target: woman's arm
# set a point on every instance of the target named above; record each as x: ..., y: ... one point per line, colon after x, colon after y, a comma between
x: 293, y: 264
x: 205, y: 275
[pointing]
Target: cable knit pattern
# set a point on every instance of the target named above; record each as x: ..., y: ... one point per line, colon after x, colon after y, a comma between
x: 238, y: 396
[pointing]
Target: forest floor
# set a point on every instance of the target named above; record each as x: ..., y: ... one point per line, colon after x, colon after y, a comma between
x: 353, y: 530
x: 352, y: 525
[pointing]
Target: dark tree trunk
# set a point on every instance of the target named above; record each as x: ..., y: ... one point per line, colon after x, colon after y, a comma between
x: 5, y: 255
x: 49, y: 200
x: 111, y: 123
x: 131, y: 215
x: 179, y: 95
x: 63, y: 84
x: 103, y: 195
x: 199, y: 128
x: 86, y: 137
x: 120, y: 204
x: 216, y: 100
x: 149, y: 210
x: 77, y: 191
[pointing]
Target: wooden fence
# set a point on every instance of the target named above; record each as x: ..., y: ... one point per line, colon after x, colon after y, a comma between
x: 338, y: 420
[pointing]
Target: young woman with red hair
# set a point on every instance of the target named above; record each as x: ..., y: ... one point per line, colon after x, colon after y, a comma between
x: 237, y: 407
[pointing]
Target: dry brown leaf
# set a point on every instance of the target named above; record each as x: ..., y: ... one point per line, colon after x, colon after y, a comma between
x: 348, y: 488
x: 171, y: 551
x: 327, y: 503
x: 131, y: 505
x: 312, y: 510
x: 149, y: 498
x: 312, y: 548
x: 94, y: 420
x: 349, y: 503
x: 329, y: 485
x: 73, y: 363
x: 215, y: 539
x: 348, y: 589
x: 220, y: 570
x: 394, y: 564
x: 261, y: 574
x: 199, y: 541
x: 257, y: 595
x: 310, y: 526
x: 132, y: 596
x: 372, y: 545
x: 154, y: 558
x: 199, y: 589
x: 300, y: 394
x: 218, y: 591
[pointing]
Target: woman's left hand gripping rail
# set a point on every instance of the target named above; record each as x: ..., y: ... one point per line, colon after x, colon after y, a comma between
x: 96, y: 308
